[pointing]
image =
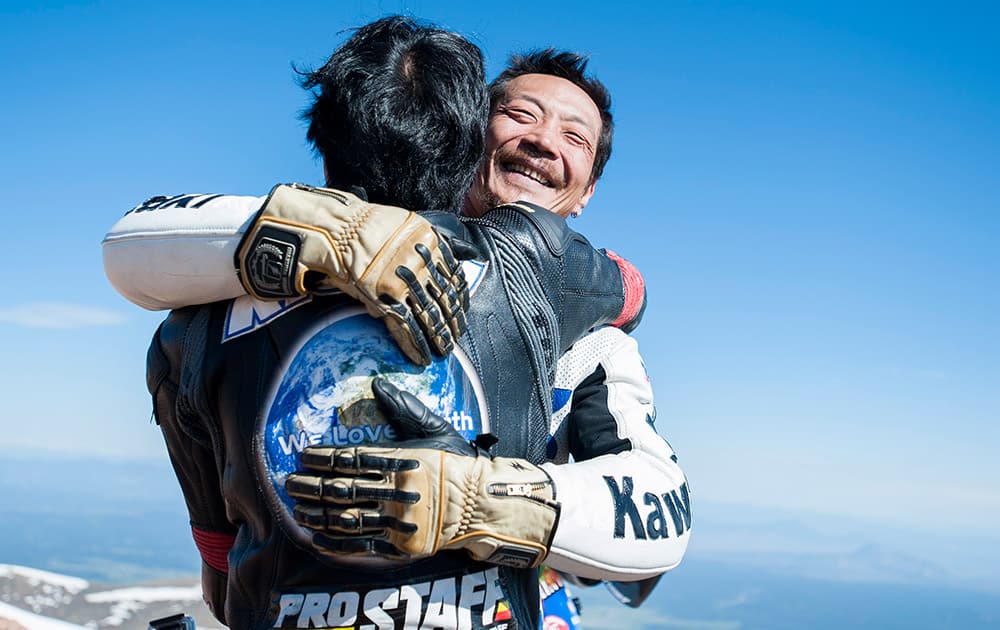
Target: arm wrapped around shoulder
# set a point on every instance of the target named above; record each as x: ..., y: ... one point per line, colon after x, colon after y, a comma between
x: 424, y: 495
x: 388, y: 258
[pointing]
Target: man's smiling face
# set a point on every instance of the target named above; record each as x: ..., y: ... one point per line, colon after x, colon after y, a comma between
x: 540, y: 147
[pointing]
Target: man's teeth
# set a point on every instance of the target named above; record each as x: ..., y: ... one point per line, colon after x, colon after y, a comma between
x: 528, y: 172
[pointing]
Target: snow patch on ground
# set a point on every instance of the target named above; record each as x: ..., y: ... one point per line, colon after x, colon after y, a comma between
x: 147, y: 594
x: 121, y: 612
x: 36, y: 576
x: 33, y: 621
x: 126, y: 602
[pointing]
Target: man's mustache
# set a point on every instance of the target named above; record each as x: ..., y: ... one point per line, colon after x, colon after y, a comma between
x: 544, y: 167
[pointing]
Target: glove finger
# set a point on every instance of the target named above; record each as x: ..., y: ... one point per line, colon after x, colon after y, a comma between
x: 345, y: 490
x: 316, y: 488
x: 354, y: 545
x: 411, y: 418
x: 462, y: 249
x: 443, y: 288
x: 427, y: 314
x: 417, y: 424
x: 446, y: 275
x: 355, y: 461
x: 451, y: 305
x: 460, y: 284
x: 446, y: 253
x: 406, y: 332
x: 353, y: 521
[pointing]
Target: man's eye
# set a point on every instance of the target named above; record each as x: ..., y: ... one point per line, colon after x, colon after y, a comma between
x: 521, y: 115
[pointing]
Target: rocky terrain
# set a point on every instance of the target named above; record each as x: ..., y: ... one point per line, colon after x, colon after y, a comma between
x: 31, y: 599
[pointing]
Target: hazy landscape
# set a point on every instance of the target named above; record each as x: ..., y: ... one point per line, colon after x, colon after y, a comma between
x: 117, y: 524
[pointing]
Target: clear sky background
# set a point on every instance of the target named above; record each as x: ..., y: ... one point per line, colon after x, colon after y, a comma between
x: 810, y: 190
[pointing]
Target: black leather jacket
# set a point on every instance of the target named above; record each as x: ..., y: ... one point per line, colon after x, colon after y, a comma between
x: 543, y: 286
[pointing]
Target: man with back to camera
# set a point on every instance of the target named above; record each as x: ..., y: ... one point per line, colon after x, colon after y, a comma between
x: 624, y: 492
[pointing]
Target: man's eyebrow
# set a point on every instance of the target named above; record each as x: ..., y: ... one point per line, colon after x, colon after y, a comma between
x: 573, y: 117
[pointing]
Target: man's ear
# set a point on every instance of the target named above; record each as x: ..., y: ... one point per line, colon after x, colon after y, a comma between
x: 584, y: 199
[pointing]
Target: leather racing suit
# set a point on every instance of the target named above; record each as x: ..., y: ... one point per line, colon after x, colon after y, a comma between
x: 537, y: 295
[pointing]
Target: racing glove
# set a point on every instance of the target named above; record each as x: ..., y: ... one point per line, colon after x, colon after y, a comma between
x: 388, y: 258
x: 414, y: 498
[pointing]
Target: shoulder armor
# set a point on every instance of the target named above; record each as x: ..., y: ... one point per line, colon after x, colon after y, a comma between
x: 553, y: 228
x: 449, y: 226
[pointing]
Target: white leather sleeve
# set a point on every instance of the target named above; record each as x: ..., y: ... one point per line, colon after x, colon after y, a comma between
x: 626, y: 514
x: 177, y: 251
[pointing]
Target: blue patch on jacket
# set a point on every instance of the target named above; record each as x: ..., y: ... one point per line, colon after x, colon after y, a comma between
x: 560, y: 397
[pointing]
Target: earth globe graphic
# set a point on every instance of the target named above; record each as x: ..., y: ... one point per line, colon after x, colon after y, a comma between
x: 323, y: 396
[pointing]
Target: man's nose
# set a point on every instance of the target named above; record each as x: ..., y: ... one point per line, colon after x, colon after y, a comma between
x: 540, y: 142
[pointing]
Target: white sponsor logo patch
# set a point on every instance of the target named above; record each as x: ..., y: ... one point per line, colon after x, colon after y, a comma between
x: 247, y: 314
x: 464, y: 602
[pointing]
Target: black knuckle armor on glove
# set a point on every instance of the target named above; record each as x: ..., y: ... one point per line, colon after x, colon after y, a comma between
x: 388, y: 258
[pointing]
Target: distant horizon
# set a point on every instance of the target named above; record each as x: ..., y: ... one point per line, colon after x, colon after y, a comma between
x: 776, y: 510
x: 720, y: 530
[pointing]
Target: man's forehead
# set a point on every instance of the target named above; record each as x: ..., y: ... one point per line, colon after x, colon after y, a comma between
x: 556, y: 95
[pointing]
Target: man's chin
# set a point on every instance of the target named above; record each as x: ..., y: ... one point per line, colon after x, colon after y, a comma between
x: 517, y: 193
x: 509, y: 192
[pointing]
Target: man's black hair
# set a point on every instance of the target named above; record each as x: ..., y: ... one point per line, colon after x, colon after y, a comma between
x: 572, y: 67
x: 401, y: 111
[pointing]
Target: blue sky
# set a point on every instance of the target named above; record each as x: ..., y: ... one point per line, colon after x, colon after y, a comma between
x: 809, y: 188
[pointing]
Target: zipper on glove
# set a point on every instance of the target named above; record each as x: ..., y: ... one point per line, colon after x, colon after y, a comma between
x: 518, y: 489
x: 323, y: 191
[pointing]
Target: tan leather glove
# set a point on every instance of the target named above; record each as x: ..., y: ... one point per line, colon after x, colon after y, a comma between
x: 424, y: 495
x: 388, y: 258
